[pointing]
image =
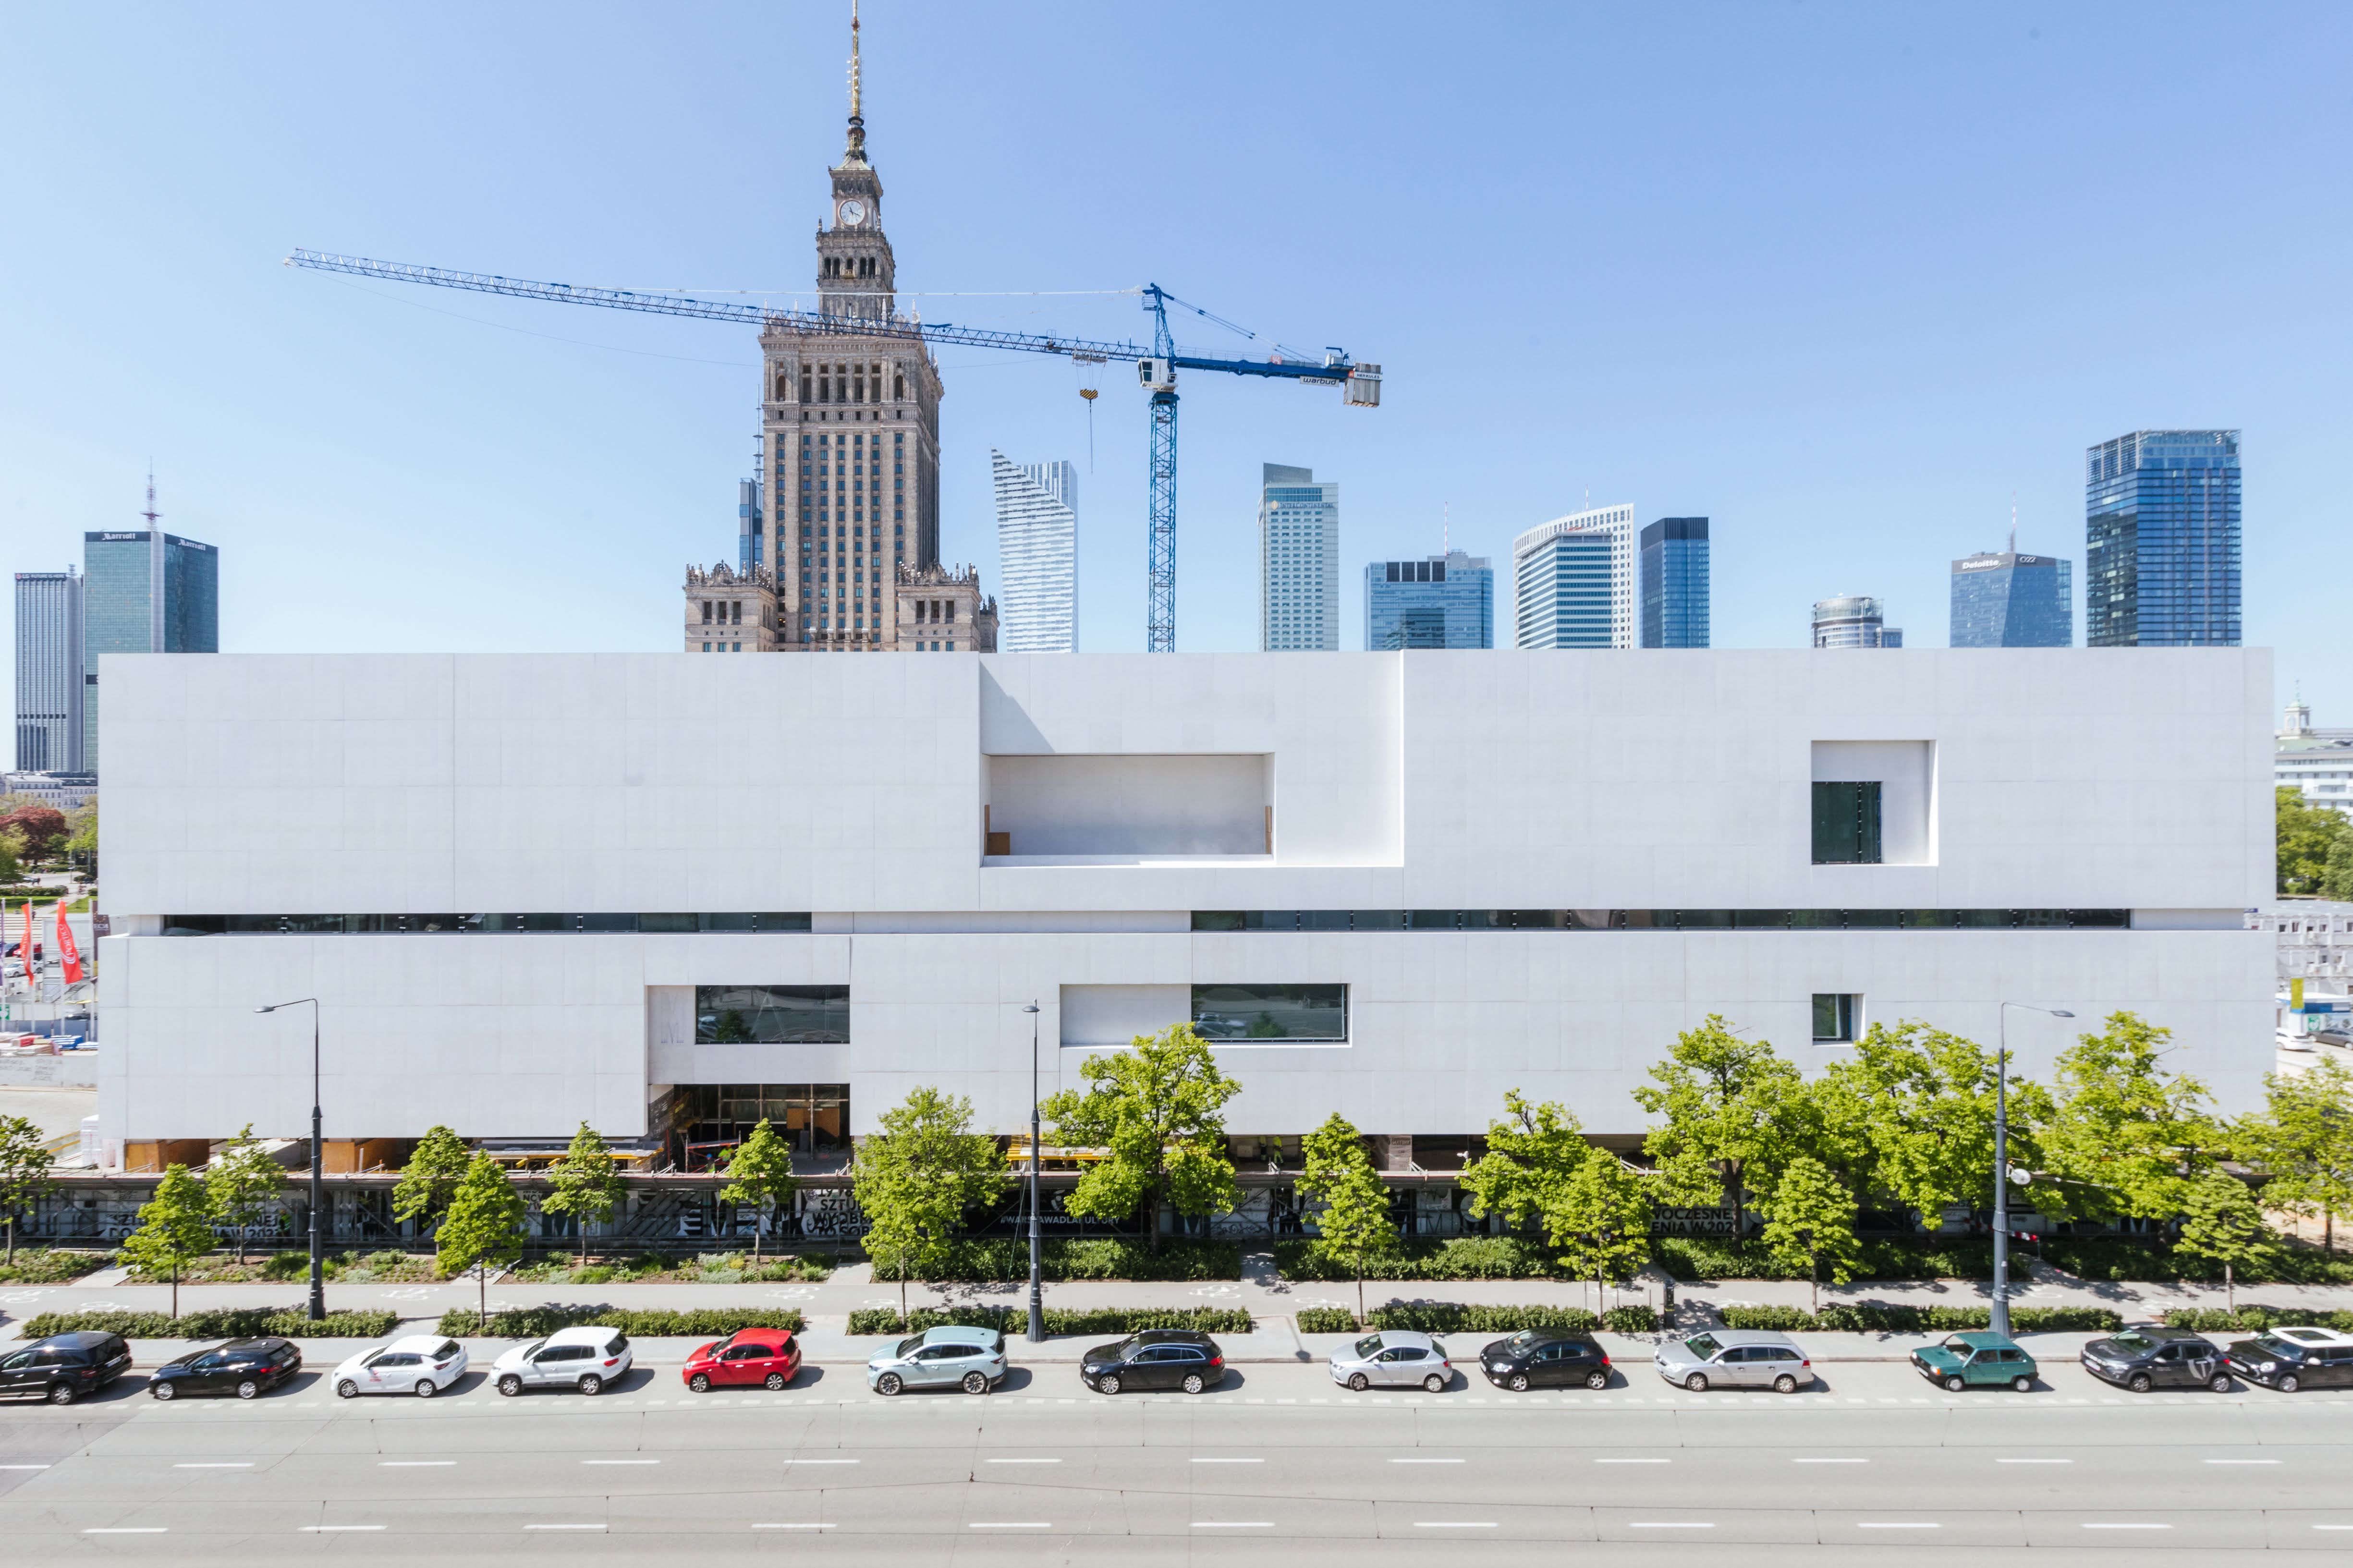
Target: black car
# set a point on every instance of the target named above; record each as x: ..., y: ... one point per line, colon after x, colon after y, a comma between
x: 243, y: 1367
x: 2142, y: 1357
x: 1156, y: 1358
x: 1546, y: 1358
x: 2288, y: 1359
x: 63, y: 1367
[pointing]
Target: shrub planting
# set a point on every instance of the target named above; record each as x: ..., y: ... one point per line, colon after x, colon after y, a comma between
x: 1630, y: 1321
x: 2254, y: 1318
x: 1457, y: 1257
x: 219, y: 1323
x: 1873, y: 1317
x: 1059, y: 1320
x: 531, y: 1322
x: 1326, y: 1321
x: 1454, y: 1318
x: 1088, y: 1257
x: 51, y: 1266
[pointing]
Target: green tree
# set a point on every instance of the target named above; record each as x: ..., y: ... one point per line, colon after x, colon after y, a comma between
x: 1157, y: 1108
x: 2303, y: 1140
x: 244, y: 1181
x: 1735, y: 1113
x: 1532, y: 1151
x: 2303, y: 833
x: 23, y: 1171
x: 1354, y: 1225
x: 176, y: 1228
x: 2221, y: 1222
x: 1810, y: 1219
x: 40, y: 828
x: 81, y: 844
x: 430, y: 1178
x: 586, y: 1184
x: 760, y: 1172
x: 2337, y: 871
x: 917, y: 1174
x: 2126, y: 1135
x: 1597, y: 1222
x: 482, y: 1229
x: 12, y: 856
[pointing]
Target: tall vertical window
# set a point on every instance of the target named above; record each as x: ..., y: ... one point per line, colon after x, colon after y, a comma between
x: 1846, y: 824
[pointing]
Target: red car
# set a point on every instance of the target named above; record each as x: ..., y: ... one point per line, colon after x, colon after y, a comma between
x: 766, y: 1356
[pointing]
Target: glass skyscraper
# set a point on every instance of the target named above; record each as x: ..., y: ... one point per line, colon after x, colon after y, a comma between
x: 1443, y: 601
x: 48, y: 671
x: 1573, y: 581
x: 147, y: 592
x: 2003, y: 599
x: 1675, y: 583
x: 2161, y: 540
x: 1299, y: 561
x: 1854, y: 620
x: 1037, y: 556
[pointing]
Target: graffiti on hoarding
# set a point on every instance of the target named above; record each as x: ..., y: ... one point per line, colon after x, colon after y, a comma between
x: 831, y: 1213
x: 1704, y: 1221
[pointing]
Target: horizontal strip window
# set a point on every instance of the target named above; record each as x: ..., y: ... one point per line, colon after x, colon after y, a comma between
x: 772, y: 1015
x: 1308, y: 1013
x: 374, y: 925
x: 1661, y: 920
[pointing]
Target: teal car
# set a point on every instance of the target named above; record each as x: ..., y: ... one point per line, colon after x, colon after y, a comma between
x: 1978, y: 1359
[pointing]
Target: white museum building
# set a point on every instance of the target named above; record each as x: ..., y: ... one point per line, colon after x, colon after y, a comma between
x: 666, y: 895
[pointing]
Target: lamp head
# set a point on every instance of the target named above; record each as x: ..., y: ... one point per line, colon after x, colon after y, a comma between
x: 2060, y: 1013
x: 1032, y: 1007
x: 271, y: 1008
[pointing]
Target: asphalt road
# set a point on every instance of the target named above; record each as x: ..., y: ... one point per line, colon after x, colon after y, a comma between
x: 1278, y: 1467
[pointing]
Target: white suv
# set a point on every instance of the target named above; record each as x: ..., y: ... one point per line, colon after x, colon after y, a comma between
x: 422, y: 1364
x: 585, y: 1358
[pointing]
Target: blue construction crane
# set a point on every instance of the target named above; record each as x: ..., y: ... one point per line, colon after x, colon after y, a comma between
x: 1156, y: 369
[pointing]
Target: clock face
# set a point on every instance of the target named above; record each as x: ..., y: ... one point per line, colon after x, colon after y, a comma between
x: 853, y: 212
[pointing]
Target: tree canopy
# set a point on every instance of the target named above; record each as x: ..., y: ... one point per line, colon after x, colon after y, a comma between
x: 2302, y: 833
x: 1810, y: 1219
x: 1354, y: 1225
x: 760, y: 1172
x: 25, y: 1161
x: 176, y: 1228
x: 2125, y: 1136
x: 915, y: 1177
x: 430, y: 1178
x: 2303, y: 1140
x: 244, y: 1181
x: 1157, y: 1107
x: 1735, y: 1113
x: 586, y: 1184
x: 483, y: 1227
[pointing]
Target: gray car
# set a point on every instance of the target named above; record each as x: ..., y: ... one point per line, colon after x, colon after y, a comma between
x: 969, y: 1359
x: 1394, y: 1358
x: 1735, y: 1358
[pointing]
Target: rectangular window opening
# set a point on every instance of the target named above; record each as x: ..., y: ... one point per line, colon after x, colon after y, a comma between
x: 1834, y: 1015
x: 1847, y: 824
x: 1305, y: 1014
x: 772, y: 1015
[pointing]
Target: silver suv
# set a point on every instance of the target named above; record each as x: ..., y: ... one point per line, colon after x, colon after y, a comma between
x: 1735, y: 1358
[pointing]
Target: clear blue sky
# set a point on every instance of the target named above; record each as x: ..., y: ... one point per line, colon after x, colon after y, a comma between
x: 1842, y: 278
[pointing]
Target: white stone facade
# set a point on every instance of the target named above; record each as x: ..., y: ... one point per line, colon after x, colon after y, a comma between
x: 1136, y: 791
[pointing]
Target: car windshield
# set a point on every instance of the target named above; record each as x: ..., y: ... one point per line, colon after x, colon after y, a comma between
x: 531, y: 1349
x: 2129, y: 1340
x: 909, y: 1347
x: 1702, y: 1345
x: 1523, y: 1339
x: 1368, y: 1347
x: 2279, y: 1344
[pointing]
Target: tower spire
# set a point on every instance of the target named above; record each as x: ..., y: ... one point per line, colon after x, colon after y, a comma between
x: 151, y: 514
x: 856, y: 152
x: 2013, y: 523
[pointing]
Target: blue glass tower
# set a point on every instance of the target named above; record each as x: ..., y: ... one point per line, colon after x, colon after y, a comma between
x: 1675, y: 583
x: 1444, y: 601
x: 2003, y: 599
x: 144, y: 592
x: 2161, y: 540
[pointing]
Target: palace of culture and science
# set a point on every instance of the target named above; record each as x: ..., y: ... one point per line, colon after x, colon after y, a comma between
x: 849, y: 449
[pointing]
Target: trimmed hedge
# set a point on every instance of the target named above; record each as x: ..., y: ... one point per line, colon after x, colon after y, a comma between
x: 1881, y: 1258
x: 1084, y: 1257
x: 531, y: 1322
x: 1457, y: 1257
x: 2254, y: 1318
x: 1454, y: 1318
x: 218, y: 1323
x: 1871, y: 1316
x: 1630, y: 1321
x: 1326, y: 1321
x: 1059, y: 1320
x: 2131, y: 1260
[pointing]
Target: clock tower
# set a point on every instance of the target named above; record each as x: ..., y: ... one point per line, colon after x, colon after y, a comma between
x: 854, y: 271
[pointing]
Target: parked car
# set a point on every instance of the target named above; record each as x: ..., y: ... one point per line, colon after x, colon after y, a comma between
x: 944, y: 1357
x: 1977, y: 1359
x: 2291, y: 1358
x: 1546, y: 1358
x: 1156, y: 1358
x: 421, y: 1365
x: 246, y: 1368
x: 1393, y: 1358
x: 2143, y: 1357
x: 765, y: 1356
x: 1735, y: 1358
x: 586, y: 1357
x: 63, y: 1367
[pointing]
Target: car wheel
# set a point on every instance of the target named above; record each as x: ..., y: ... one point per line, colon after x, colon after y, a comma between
x: 1786, y: 1384
x: 1954, y: 1385
x: 2139, y: 1383
x: 2288, y: 1384
x: 1360, y: 1382
x: 776, y: 1381
x: 1519, y: 1383
x: 1193, y: 1384
x: 889, y: 1385
x: 592, y: 1385
x: 1696, y: 1383
x: 510, y: 1385
x: 1596, y: 1380
x: 346, y: 1389
x: 699, y: 1383
x: 977, y: 1382
x: 1108, y: 1383
x: 162, y: 1388
x: 2219, y: 1383
x: 248, y: 1389
x: 61, y: 1393
x: 2023, y: 1384
x: 426, y: 1388
x: 1434, y: 1383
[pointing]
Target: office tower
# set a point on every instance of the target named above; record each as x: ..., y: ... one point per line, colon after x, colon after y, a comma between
x: 1443, y: 601
x: 2161, y: 540
x: 2003, y: 599
x: 1853, y: 621
x: 143, y: 592
x: 1037, y: 556
x: 48, y: 672
x: 1675, y: 583
x: 1298, y: 561
x: 1573, y: 581
x: 750, y: 532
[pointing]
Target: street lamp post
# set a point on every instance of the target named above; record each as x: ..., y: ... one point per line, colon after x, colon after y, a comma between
x: 1037, y: 1260
x: 318, y: 1163
x: 2001, y: 1162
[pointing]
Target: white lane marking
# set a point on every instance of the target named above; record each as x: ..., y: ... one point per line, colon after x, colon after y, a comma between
x: 620, y: 1461
x: 1454, y: 1524
x: 1416, y: 1461
x: 24, y: 1467
x: 330, y: 1529
x: 1897, y: 1524
x: 2333, y: 1527
x: 1013, y: 1524
x: 821, y: 1461
x: 563, y: 1527
x: 1668, y: 1525
x: 217, y: 1464
x: 2128, y: 1527
x: 1035, y: 1461
x: 1829, y: 1461
x: 792, y: 1527
x: 2243, y: 1461
x: 1200, y: 1461
x: 2034, y: 1461
x: 128, y: 1530
x: 1233, y: 1525
x: 1633, y: 1461
x: 414, y: 1464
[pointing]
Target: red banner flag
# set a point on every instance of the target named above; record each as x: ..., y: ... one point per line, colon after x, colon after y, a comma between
x: 25, y: 948
x: 66, y: 948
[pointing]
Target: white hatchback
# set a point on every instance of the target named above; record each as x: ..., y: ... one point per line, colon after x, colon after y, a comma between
x: 422, y: 1364
x: 586, y: 1357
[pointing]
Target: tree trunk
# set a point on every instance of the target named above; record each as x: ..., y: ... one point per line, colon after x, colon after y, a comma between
x: 1152, y: 1219
x: 482, y: 1297
x: 1360, y: 1293
x: 2327, y: 1234
x: 902, y: 1288
x: 2230, y: 1288
x: 175, y: 1290
x: 12, y: 1238
x: 1814, y: 1284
